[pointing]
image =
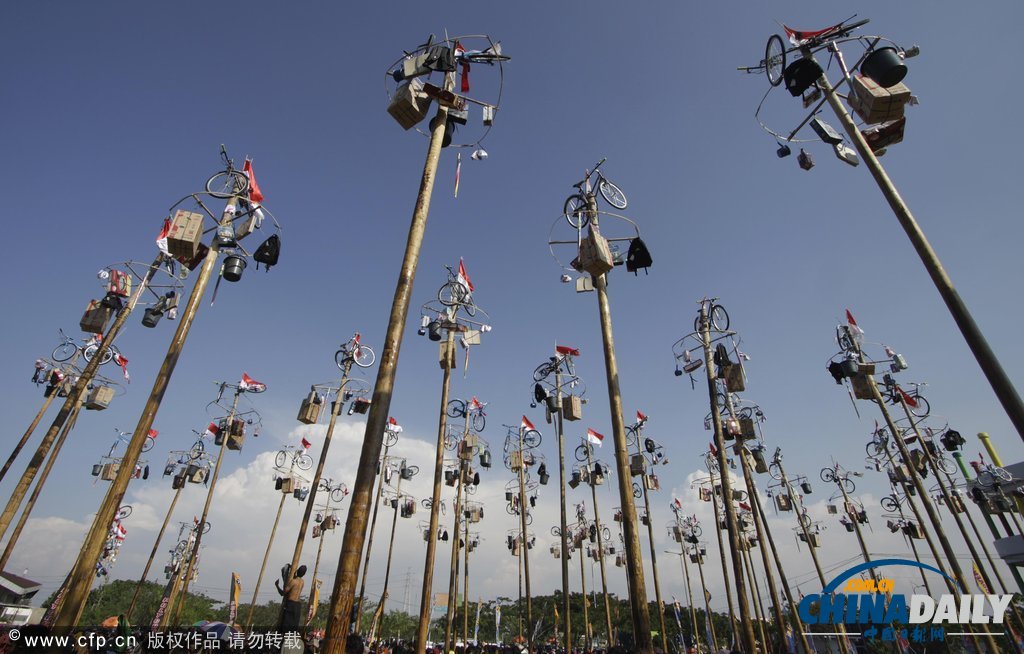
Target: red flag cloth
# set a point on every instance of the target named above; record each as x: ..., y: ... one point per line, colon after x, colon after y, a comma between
x: 393, y: 425
x: 571, y: 351
x: 212, y: 430
x: 849, y: 318
x: 798, y: 37
x: 909, y: 401
x: 153, y: 433
x: 744, y: 506
x: 306, y: 444
x: 527, y: 425
x: 255, y: 195
x: 594, y: 437
x: 640, y: 417
x: 161, y: 238
x: 475, y: 403
x: 465, y: 68
x: 714, y: 450
x: 464, y: 276
x: 122, y: 361
x: 250, y: 384
x: 677, y: 502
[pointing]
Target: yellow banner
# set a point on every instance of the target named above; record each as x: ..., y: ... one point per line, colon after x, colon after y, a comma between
x: 233, y: 597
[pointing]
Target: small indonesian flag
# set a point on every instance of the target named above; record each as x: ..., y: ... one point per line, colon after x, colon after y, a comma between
x: 212, y: 431
x: 393, y: 426
x: 745, y: 506
x: 713, y: 449
x: 571, y: 351
x: 475, y: 403
x: 458, y: 174
x: 153, y: 433
x: 122, y: 361
x: 306, y: 444
x: 526, y: 425
x: 195, y: 520
x: 853, y: 323
x: 464, y: 276
x: 677, y: 503
x: 640, y: 417
x: 119, y: 531
x: 594, y: 437
x: 909, y: 401
x: 255, y: 195
x: 161, y: 239
x: 251, y: 385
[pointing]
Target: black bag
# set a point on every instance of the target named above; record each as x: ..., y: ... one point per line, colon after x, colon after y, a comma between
x: 441, y: 59
x: 268, y: 252
x: 638, y: 256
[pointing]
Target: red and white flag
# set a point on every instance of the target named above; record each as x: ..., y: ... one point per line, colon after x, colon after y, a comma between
x: 393, y: 426
x: 161, y: 238
x: 677, y: 503
x: 563, y: 349
x: 640, y: 417
x: 475, y: 403
x: 122, y: 361
x: 464, y: 276
x: 458, y: 174
x: 853, y: 323
x: 119, y: 531
x: 249, y: 384
x: 153, y: 433
x: 255, y: 195
x: 212, y: 431
x: 745, y: 506
x: 306, y: 444
x: 909, y: 401
x: 526, y: 425
x: 594, y: 437
x: 464, y: 85
x: 713, y: 449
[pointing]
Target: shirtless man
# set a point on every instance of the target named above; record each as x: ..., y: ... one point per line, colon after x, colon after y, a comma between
x: 292, y: 593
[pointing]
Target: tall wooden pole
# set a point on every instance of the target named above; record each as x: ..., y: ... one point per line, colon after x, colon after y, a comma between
x: 453, y: 575
x: 721, y: 546
x: 426, y: 605
x: 152, y: 554
x: 525, y: 543
x: 391, y: 549
x: 631, y: 533
x: 314, y: 486
x: 600, y: 546
x: 263, y: 566
x: 562, y: 520
x: 355, y: 526
x: 707, y: 597
x: 358, y: 625
x: 319, y: 551
x: 28, y: 434
x: 654, y: 556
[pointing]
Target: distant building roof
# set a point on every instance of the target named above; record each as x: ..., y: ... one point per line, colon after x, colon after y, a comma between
x: 17, y: 584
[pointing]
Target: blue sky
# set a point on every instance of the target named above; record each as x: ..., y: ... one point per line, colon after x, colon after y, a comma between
x: 116, y: 110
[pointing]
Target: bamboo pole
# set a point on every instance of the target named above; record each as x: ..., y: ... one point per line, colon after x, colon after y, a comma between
x: 562, y: 519
x: 525, y: 545
x: 152, y: 554
x: 600, y: 545
x: 28, y: 434
x: 654, y: 556
x: 263, y: 566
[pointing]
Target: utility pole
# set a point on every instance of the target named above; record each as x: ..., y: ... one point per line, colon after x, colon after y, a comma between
x: 983, y: 353
x: 634, y: 561
x: 746, y: 628
x: 376, y: 420
x: 82, y: 573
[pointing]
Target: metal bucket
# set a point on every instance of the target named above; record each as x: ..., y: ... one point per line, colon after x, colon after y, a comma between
x: 884, y: 66
x: 234, y: 266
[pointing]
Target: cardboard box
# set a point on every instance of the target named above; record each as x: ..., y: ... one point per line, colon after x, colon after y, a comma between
x: 99, y: 398
x: 96, y: 317
x: 595, y: 254
x: 309, y: 410
x: 109, y: 471
x: 287, y: 485
x: 572, y: 407
x: 876, y: 104
x: 184, y: 235
x: 862, y: 387
x: 637, y: 465
x: 409, y: 105
x: 734, y: 378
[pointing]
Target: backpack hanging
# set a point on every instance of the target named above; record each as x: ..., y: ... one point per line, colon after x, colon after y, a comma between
x: 638, y: 256
x: 268, y: 252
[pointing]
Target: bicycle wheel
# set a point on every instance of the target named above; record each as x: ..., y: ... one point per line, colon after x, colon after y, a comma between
x: 774, y: 59
x: 281, y: 459
x: 575, y: 210
x: 582, y: 452
x: 338, y: 494
x: 612, y: 194
x: 637, y: 491
x: 363, y: 356
x: 719, y: 318
x: 449, y: 295
x: 227, y: 183
x: 890, y: 504
x: 456, y: 409
x: 63, y: 352
x: 124, y: 512
x: 922, y: 409
x: 529, y: 518
x: 828, y: 475
x: 945, y: 465
x: 805, y: 520
x: 606, y: 534
x: 874, y: 449
x: 631, y: 437
x: 450, y: 442
x: 1001, y: 474
x: 849, y: 485
x: 340, y: 357
x: 775, y: 471
x: 511, y: 510
x: 148, y: 444
x: 304, y: 461
x: 543, y: 371
x: 696, y: 530
x: 413, y: 470
x: 479, y: 422
x: 531, y: 438
x: 390, y: 437
x: 197, y: 450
